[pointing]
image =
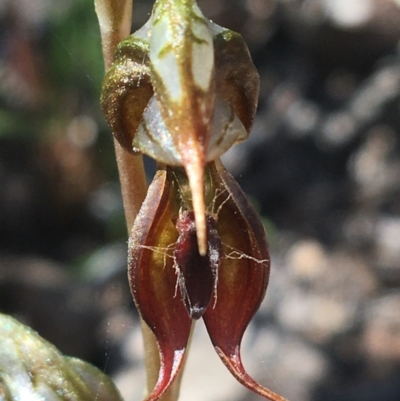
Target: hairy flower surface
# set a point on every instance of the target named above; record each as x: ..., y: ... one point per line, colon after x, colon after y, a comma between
x: 182, y: 90
x: 172, y: 283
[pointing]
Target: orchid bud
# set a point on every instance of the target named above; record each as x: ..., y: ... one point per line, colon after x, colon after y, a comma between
x: 173, y: 283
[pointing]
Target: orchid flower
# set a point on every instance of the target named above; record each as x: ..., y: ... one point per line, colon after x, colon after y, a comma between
x: 183, y: 90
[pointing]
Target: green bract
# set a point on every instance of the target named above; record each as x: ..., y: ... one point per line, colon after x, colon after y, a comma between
x: 31, y: 369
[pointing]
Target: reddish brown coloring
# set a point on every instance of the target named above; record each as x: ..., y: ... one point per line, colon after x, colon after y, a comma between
x: 197, y: 274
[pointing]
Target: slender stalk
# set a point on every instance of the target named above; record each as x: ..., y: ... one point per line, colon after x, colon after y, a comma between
x: 115, y: 19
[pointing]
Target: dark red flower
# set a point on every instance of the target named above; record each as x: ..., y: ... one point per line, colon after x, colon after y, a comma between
x: 173, y: 284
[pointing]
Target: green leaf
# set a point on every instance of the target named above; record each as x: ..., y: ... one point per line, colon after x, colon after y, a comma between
x: 33, y: 369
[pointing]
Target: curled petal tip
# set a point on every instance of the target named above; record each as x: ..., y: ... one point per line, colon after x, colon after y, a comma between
x: 242, y: 277
x: 234, y: 364
x: 170, y: 365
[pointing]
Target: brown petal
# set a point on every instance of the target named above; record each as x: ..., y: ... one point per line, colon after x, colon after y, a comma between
x: 153, y: 279
x: 237, y: 78
x: 242, y: 277
x: 127, y: 89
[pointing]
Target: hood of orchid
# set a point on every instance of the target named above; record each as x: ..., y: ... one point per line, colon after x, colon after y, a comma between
x: 182, y: 90
x: 173, y: 284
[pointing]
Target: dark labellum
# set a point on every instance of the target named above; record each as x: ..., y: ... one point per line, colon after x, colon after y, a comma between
x: 197, y: 274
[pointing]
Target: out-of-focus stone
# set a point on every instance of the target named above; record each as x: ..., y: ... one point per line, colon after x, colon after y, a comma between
x: 315, y: 316
x: 307, y: 259
x: 286, y: 364
x: 349, y: 279
x: 371, y: 166
x: 381, y: 337
x: 324, y: 292
x: 359, y: 230
x: 388, y: 246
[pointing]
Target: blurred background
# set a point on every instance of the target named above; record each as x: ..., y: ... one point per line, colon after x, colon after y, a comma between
x: 322, y: 166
